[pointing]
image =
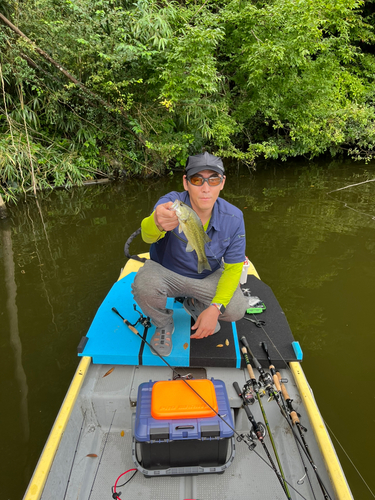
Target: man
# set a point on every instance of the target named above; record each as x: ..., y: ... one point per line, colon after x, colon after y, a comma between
x: 172, y: 272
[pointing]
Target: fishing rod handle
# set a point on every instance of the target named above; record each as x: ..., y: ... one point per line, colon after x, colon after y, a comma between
x: 237, y: 389
x: 258, y: 366
x: 283, y: 388
x: 248, y: 365
x: 294, y: 417
x: 127, y: 323
x: 293, y: 413
x: 131, y: 327
x: 245, y: 342
x: 276, y: 379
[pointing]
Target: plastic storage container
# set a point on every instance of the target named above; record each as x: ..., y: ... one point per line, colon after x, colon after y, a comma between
x: 184, y: 438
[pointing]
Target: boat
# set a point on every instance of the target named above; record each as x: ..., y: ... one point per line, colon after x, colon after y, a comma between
x: 102, y: 444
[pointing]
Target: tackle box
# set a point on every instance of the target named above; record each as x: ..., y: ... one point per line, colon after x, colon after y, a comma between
x: 175, y: 428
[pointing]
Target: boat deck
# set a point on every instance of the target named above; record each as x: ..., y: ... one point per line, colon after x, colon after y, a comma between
x: 100, y: 433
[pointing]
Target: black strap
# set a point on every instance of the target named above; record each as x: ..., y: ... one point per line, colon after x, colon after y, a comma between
x: 127, y: 244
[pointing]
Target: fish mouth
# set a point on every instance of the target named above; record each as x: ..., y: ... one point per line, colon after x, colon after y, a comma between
x: 175, y: 205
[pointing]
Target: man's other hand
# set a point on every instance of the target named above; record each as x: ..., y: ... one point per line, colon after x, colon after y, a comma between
x: 206, y: 323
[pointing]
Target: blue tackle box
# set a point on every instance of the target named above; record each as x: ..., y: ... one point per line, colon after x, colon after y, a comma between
x: 174, y: 428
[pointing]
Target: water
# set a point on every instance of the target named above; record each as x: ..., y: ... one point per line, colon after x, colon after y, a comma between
x: 61, y: 254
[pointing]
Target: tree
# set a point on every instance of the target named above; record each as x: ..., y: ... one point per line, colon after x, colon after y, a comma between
x: 147, y: 83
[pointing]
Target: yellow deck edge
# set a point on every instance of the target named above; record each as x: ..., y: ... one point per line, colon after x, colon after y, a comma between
x: 41, y: 472
x: 251, y: 270
x: 133, y: 265
x: 338, y: 480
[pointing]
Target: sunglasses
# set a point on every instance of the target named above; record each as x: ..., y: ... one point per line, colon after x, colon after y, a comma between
x: 198, y: 180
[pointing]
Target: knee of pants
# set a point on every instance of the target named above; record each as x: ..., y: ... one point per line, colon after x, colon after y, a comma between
x: 235, y: 311
x: 235, y: 315
x: 144, y: 287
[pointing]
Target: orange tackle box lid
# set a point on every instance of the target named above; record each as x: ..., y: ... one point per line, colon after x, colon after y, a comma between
x: 172, y: 399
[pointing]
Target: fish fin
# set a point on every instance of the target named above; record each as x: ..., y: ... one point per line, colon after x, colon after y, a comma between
x: 180, y: 228
x: 206, y: 238
x: 189, y: 248
x: 202, y: 265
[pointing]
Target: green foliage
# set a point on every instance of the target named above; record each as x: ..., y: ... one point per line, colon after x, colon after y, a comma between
x: 159, y: 80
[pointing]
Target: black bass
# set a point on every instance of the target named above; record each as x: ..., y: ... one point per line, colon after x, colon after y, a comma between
x: 192, y: 227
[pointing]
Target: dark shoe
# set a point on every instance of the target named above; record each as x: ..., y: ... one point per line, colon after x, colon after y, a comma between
x: 161, y: 341
x: 194, y: 308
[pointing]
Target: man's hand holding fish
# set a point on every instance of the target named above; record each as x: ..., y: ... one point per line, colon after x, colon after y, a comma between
x: 165, y: 218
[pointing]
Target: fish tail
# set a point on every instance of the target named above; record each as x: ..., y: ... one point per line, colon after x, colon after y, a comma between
x: 202, y: 265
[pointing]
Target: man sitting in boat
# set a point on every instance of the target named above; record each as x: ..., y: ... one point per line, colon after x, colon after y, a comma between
x: 172, y: 271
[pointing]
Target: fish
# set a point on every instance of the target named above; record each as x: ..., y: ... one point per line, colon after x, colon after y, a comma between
x: 191, y: 225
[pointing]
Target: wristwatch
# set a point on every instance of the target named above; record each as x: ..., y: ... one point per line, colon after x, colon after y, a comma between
x: 219, y: 307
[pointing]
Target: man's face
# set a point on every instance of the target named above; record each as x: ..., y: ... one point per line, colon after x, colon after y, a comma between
x: 203, y: 197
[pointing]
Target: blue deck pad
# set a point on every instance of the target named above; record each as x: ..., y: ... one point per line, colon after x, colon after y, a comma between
x: 111, y: 342
x: 236, y: 345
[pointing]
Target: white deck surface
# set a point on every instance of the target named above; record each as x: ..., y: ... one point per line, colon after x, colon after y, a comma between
x: 101, y: 425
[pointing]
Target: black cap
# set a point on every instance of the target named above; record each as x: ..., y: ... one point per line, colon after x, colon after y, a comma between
x: 204, y: 161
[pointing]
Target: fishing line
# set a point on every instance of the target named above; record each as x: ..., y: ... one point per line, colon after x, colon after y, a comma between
x: 351, y: 461
x: 345, y: 204
x: 351, y: 208
x: 240, y: 437
x: 351, y: 185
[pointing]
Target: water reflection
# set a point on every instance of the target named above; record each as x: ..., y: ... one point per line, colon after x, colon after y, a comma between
x: 67, y: 250
x: 15, y: 340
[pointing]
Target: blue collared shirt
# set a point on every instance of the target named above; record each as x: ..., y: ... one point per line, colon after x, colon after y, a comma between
x: 226, y: 230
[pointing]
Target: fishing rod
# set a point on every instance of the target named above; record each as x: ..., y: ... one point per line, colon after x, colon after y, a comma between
x: 259, y: 432
x: 267, y: 381
x: 278, y: 381
x: 294, y: 417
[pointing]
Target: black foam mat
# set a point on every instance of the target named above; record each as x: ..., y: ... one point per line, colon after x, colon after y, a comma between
x: 275, y: 332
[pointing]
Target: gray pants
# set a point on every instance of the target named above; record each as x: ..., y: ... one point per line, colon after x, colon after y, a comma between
x: 154, y: 283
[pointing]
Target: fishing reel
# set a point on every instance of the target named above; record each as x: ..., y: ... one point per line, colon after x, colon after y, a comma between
x: 262, y: 430
x: 251, y: 438
x: 266, y: 379
x: 247, y: 439
x: 144, y: 321
x: 248, y: 393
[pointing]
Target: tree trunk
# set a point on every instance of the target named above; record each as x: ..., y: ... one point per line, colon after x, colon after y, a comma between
x: 68, y: 75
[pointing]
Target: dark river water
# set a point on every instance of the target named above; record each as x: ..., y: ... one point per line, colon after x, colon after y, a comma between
x: 60, y: 255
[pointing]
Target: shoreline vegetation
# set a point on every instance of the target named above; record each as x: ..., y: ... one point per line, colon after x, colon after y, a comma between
x: 100, y: 89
